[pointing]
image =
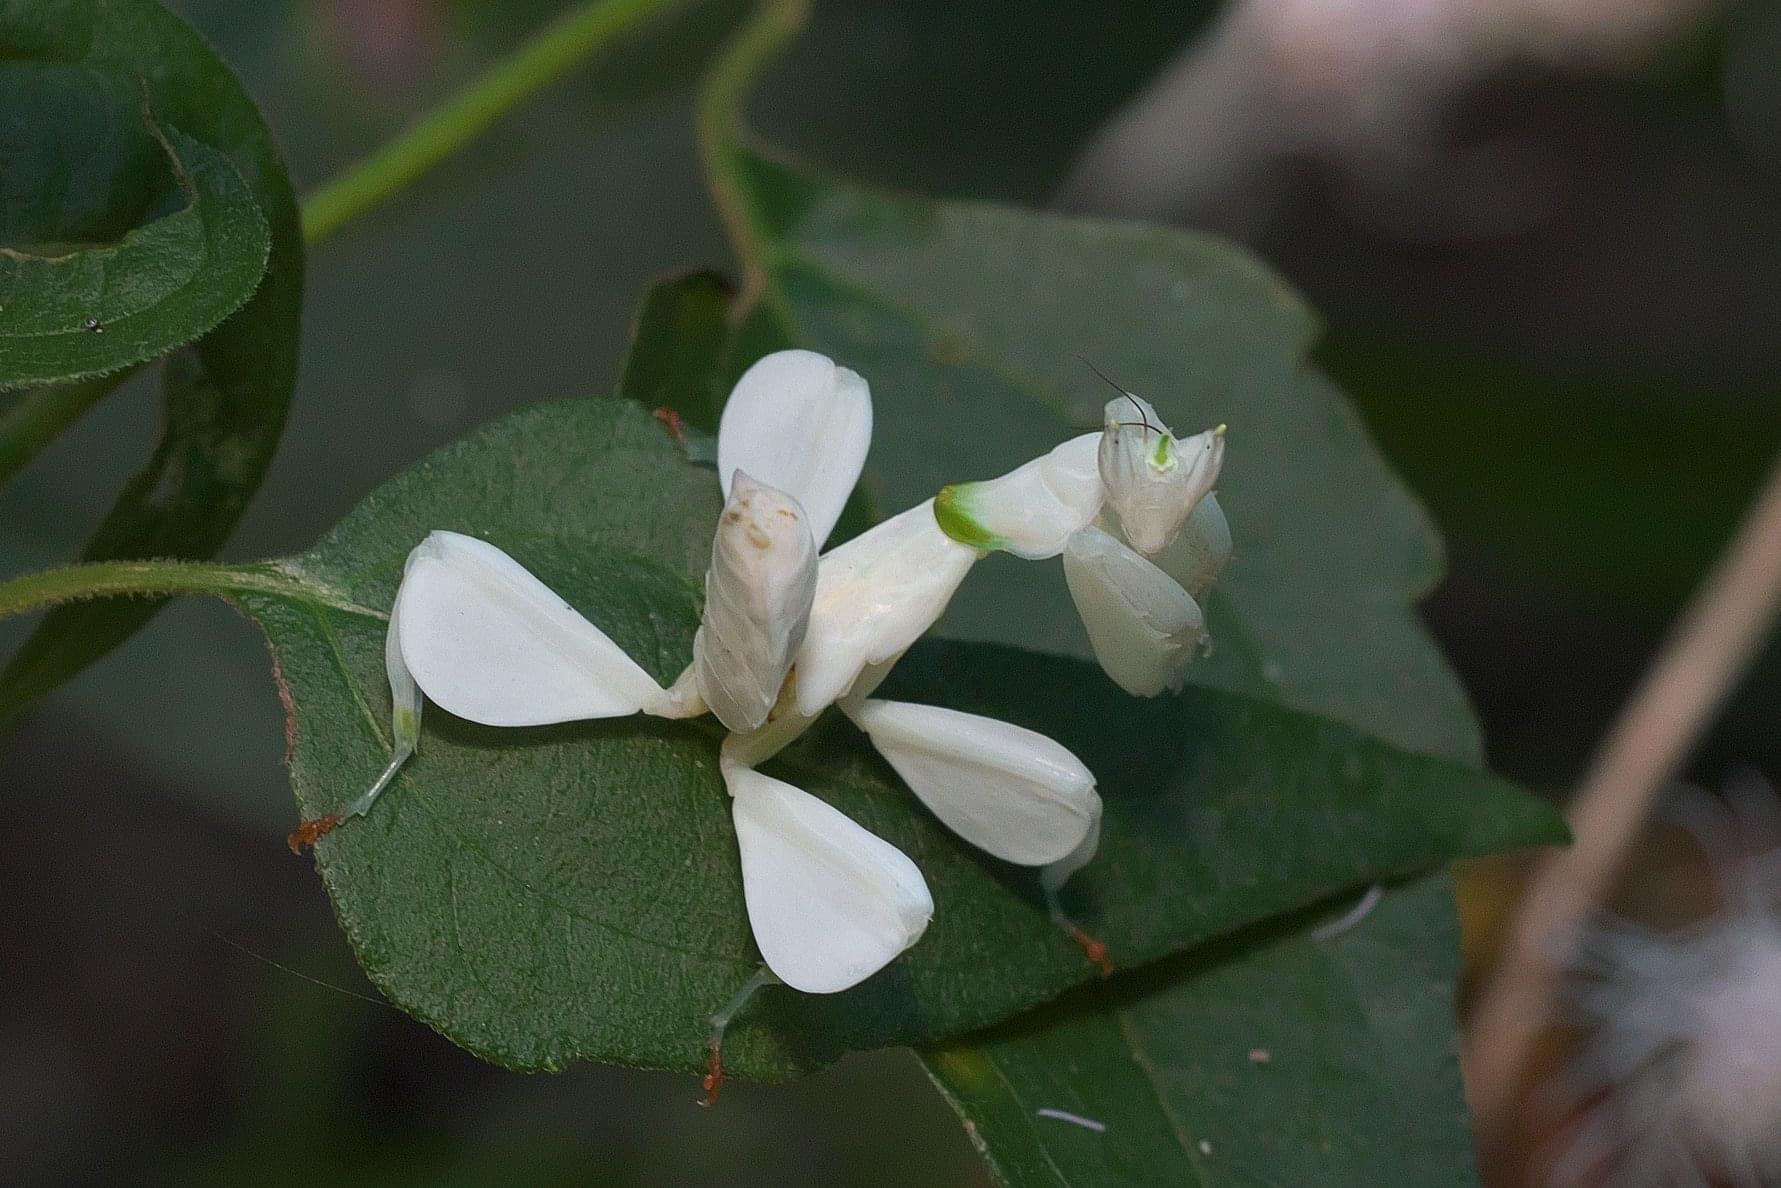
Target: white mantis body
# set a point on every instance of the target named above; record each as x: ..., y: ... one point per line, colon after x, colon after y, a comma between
x: 787, y: 631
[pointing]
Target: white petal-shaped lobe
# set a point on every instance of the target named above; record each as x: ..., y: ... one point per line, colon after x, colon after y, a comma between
x: 1005, y: 789
x: 1144, y: 627
x: 1032, y: 510
x: 757, y: 602
x: 830, y: 902
x: 1200, y: 551
x: 876, y: 595
x: 798, y: 422
x: 488, y: 641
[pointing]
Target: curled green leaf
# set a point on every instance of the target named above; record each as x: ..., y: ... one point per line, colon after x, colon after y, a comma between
x: 173, y: 158
x: 71, y: 310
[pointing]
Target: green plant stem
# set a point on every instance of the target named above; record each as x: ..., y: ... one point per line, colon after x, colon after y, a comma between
x: 104, y: 579
x: 720, y: 119
x: 550, y: 54
x: 41, y: 414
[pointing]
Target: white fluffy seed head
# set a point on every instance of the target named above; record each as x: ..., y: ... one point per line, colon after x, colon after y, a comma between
x: 1680, y: 1064
x: 757, y: 602
x: 1683, y: 1054
x: 1731, y: 1071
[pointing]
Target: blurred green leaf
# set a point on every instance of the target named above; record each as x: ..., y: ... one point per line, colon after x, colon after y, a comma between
x: 226, y: 394
x: 1594, y: 517
x: 978, y: 98
x: 1278, y: 1059
x: 679, y: 333
x: 549, y: 894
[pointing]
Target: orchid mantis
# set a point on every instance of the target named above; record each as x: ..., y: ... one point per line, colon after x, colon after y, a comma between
x: 788, y: 630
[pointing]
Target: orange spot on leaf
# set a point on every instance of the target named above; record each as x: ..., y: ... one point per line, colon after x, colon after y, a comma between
x: 1093, y: 948
x: 714, y: 1075
x: 673, y: 424
x: 309, y: 832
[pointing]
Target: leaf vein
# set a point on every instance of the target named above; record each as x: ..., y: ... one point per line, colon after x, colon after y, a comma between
x: 338, y: 656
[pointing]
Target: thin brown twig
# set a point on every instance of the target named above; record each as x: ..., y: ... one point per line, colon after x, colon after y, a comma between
x: 1712, y: 644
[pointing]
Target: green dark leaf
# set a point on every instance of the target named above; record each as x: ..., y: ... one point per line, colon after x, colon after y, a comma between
x: 1270, y: 1059
x: 1314, y: 611
x: 681, y: 330
x: 227, y: 393
x: 966, y: 318
x: 544, y: 895
x: 70, y: 311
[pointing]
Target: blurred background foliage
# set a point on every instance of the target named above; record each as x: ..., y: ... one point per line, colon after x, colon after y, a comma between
x: 1582, y: 389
